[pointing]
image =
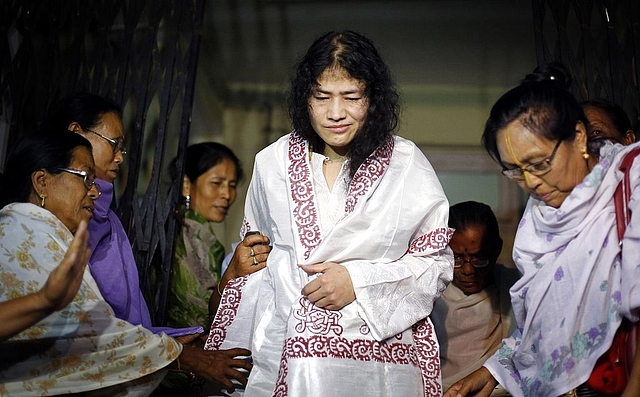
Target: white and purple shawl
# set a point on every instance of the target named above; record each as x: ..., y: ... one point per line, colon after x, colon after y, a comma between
x: 575, y: 289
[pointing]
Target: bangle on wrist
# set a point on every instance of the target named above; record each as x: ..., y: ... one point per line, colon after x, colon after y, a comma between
x: 218, y: 288
x: 179, y: 369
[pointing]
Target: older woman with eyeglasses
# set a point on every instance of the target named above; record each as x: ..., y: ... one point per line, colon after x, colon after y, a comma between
x: 49, y: 188
x: 474, y: 313
x: 112, y: 264
x: 99, y: 120
x: 578, y: 283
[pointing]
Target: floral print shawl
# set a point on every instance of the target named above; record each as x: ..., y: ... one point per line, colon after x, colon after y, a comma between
x: 84, y: 346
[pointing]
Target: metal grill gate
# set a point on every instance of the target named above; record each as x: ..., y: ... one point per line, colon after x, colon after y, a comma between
x: 142, y: 54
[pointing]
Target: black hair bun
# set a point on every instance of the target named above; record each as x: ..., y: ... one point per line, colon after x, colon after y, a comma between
x: 549, y: 72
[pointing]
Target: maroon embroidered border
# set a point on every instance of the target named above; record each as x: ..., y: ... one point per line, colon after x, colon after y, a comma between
x: 305, y: 214
x: 368, y: 173
x: 339, y: 347
x: 424, y: 354
x: 227, y: 312
x: 435, y: 239
x: 427, y: 355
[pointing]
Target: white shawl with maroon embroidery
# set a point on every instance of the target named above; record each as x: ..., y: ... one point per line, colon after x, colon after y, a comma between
x: 393, y: 241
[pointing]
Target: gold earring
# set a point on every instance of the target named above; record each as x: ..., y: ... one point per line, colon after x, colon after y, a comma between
x: 585, y: 155
x: 42, y: 197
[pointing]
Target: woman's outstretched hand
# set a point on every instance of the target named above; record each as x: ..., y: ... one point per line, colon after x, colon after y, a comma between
x: 64, y: 281
x: 58, y: 291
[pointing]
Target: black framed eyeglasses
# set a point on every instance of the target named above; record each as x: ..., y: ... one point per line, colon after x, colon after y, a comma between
x: 475, y: 261
x: 116, y: 144
x: 88, y: 179
x: 538, y: 169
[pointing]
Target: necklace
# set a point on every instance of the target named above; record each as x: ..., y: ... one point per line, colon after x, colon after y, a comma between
x: 327, y: 159
x: 337, y: 159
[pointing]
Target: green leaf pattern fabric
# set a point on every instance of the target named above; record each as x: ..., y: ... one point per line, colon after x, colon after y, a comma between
x: 195, y: 272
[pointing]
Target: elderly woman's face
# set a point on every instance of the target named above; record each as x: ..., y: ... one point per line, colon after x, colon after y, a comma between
x: 602, y: 127
x: 338, y: 109
x: 67, y: 197
x: 467, y: 245
x: 107, y: 155
x: 519, y: 147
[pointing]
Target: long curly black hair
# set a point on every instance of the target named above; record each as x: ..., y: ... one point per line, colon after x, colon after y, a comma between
x: 358, y: 56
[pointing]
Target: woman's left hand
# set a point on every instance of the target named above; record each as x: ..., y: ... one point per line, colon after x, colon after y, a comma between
x: 333, y: 289
x: 249, y: 257
x: 64, y: 281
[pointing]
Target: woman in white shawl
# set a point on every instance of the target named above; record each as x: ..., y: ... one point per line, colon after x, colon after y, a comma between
x: 577, y: 283
x: 474, y: 313
x: 49, y: 185
x: 358, y: 223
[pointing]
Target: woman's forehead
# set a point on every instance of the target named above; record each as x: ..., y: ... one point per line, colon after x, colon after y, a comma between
x: 338, y: 75
x: 517, y: 139
x: 82, y: 156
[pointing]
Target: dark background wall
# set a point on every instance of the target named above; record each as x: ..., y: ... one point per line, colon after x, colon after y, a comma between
x: 188, y: 71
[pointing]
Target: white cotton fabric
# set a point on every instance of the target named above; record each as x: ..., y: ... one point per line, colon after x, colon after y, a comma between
x: 471, y: 327
x: 330, y: 201
x: 393, y: 241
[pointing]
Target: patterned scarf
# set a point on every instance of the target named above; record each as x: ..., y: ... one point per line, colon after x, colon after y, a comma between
x: 569, y: 302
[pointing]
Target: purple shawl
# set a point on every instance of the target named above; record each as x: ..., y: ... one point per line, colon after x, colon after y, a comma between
x: 114, y: 269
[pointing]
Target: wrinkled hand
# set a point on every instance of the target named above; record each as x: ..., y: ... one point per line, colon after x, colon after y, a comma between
x: 64, y: 281
x: 479, y: 383
x: 333, y: 289
x: 218, y: 366
x: 187, y: 339
x: 242, y: 264
x: 254, y: 246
